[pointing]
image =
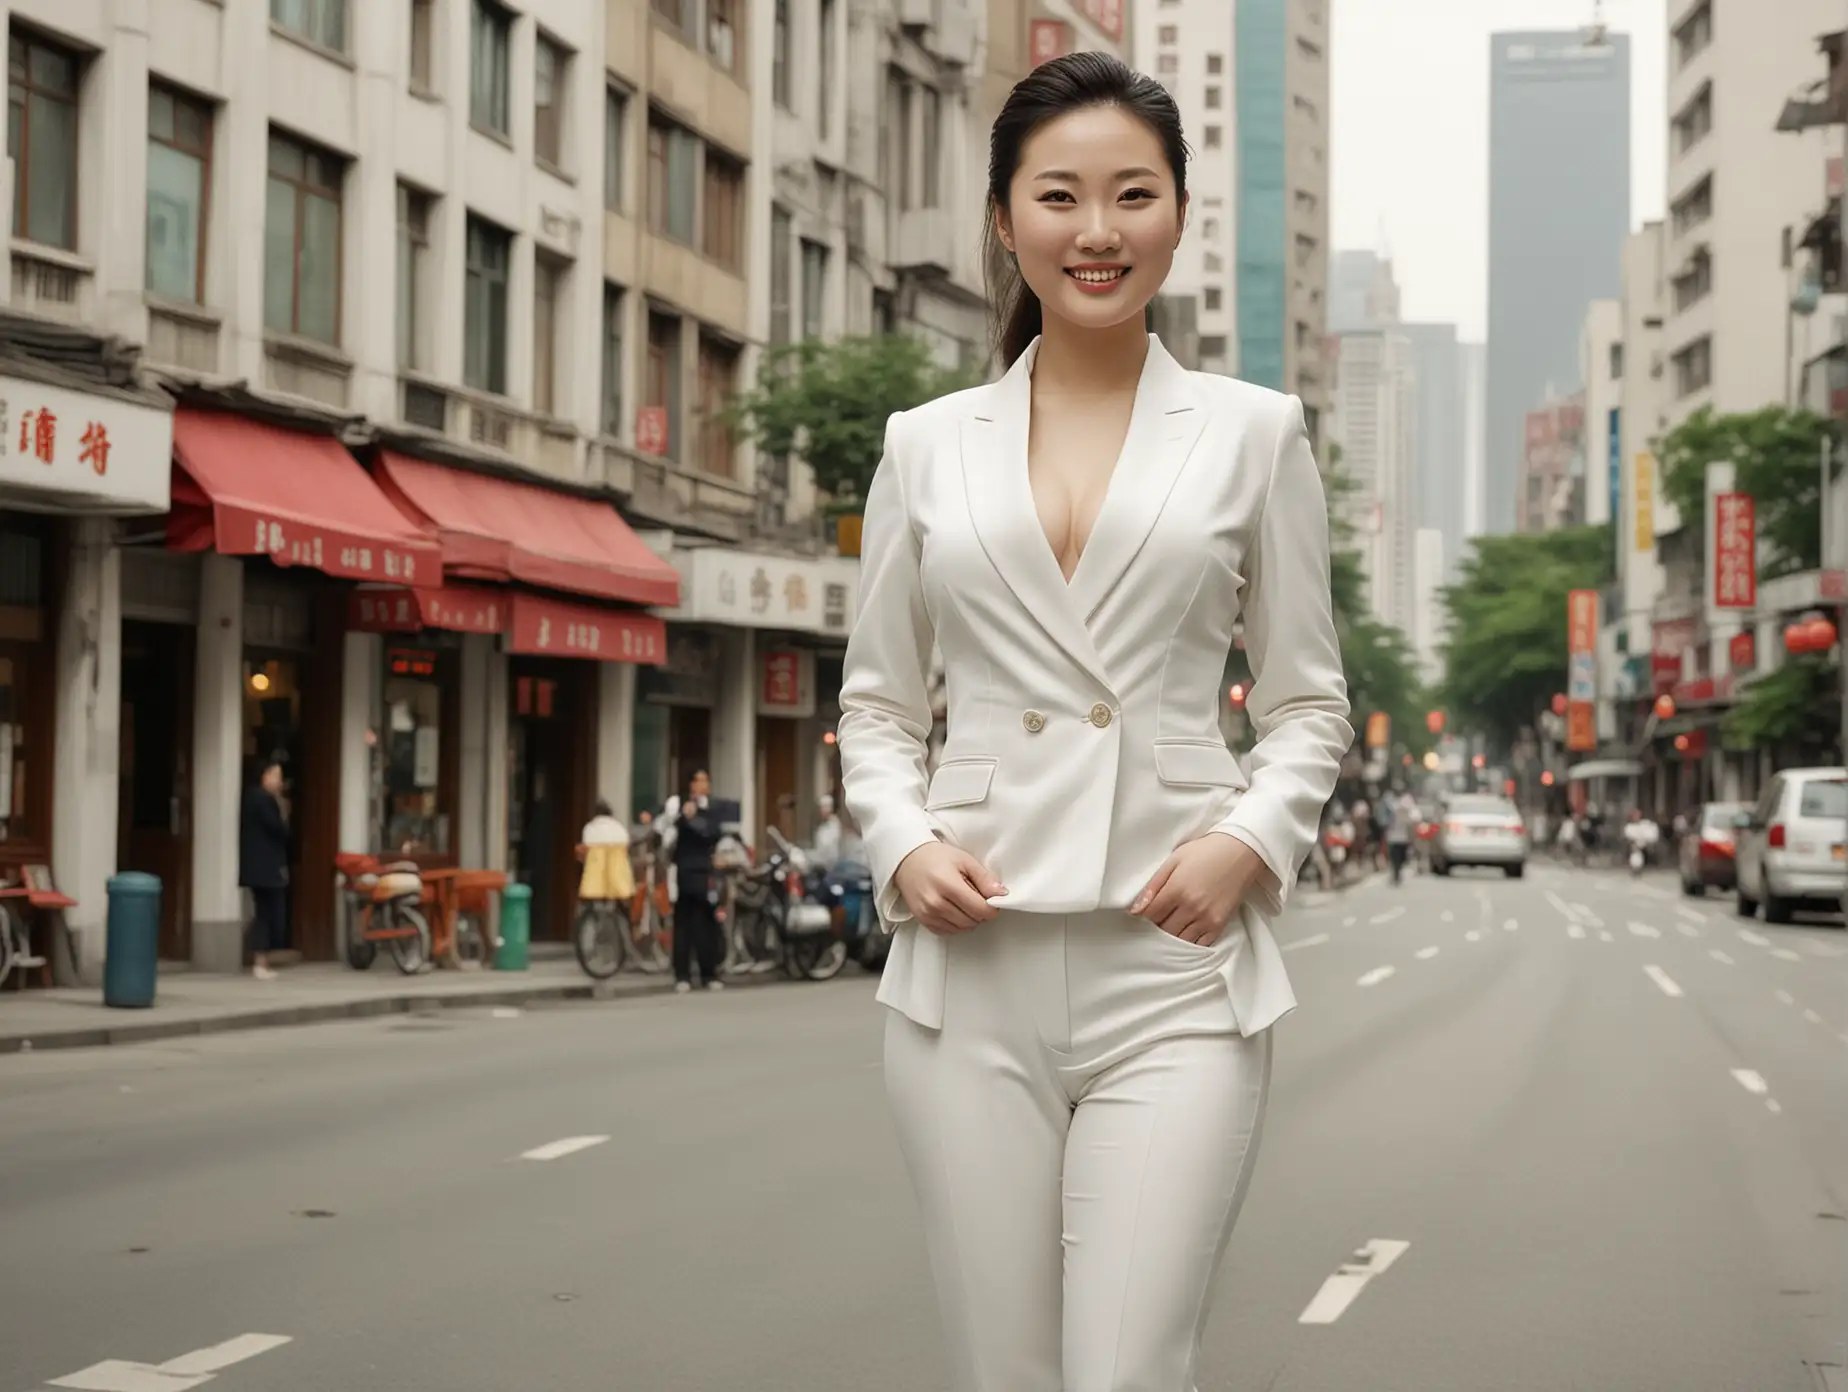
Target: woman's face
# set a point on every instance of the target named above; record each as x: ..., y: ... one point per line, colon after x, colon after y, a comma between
x: 700, y: 785
x: 1093, y: 216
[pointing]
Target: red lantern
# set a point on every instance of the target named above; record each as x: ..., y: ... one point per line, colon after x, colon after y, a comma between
x: 1665, y: 707
x: 1559, y: 704
x: 1546, y: 778
x: 1681, y: 744
x: 1796, y: 638
x: 1821, y: 634
x: 1434, y: 722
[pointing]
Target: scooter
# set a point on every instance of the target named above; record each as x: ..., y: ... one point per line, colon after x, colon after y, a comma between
x: 1636, y: 860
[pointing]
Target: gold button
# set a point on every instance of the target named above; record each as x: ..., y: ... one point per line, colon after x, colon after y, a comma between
x: 1100, y: 715
x: 1034, y: 721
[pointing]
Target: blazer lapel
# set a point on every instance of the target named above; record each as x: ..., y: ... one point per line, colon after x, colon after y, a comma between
x: 1164, y: 425
x: 994, y: 464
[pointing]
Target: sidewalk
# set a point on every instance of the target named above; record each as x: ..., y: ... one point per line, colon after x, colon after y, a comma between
x: 192, y: 1003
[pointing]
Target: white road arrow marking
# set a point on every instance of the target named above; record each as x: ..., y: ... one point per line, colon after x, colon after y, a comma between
x: 1314, y: 940
x: 557, y: 1150
x: 1425, y: 954
x: 1376, y: 976
x: 1644, y: 930
x: 1662, y: 979
x: 1719, y: 957
x: 176, y: 1374
x: 1584, y: 912
x: 1344, y: 1287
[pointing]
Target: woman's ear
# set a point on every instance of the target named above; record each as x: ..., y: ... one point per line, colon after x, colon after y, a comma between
x: 1004, y: 228
x: 1186, y: 209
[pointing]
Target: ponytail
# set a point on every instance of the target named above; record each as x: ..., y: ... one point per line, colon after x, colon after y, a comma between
x: 1017, y: 319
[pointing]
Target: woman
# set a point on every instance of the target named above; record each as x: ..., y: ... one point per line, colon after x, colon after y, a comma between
x: 1082, y: 977
x: 263, y: 866
x: 696, y: 923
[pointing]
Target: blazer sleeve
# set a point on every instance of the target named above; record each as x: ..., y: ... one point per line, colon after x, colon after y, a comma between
x: 1298, y: 703
x: 885, y: 695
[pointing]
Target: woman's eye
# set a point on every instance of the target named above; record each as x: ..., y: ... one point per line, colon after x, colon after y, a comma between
x: 1056, y: 194
x: 1138, y: 194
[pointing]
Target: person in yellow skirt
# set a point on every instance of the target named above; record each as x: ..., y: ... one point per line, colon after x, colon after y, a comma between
x: 607, y: 872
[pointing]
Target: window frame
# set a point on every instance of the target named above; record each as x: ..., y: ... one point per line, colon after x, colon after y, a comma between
x: 613, y: 341
x: 714, y: 443
x: 723, y: 188
x: 665, y: 383
x: 483, y: 16
x: 422, y: 53
x: 496, y: 362
x: 415, y: 208
x: 560, y: 108
x: 551, y: 291
x: 19, y: 123
x: 304, y: 190
x: 339, y: 9
x: 179, y: 96
x: 616, y: 103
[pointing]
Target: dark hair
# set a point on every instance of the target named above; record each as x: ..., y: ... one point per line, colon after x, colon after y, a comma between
x: 1054, y: 89
x: 602, y: 809
x: 695, y: 772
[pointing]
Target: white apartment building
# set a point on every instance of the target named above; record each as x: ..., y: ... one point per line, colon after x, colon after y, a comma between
x: 1429, y: 618
x: 1473, y: 359
x: 1375, y: 409
x: 1737, y: 188
x: 1601, y: 372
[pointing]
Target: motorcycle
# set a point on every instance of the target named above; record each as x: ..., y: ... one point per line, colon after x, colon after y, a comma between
x: 1636, y: 860
x: 847, y: 889
x: 774, y: 915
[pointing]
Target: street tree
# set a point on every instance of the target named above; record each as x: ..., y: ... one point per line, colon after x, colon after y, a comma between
x: 827, y: 403
x: 1776, y: 454
x: 1505, y: 655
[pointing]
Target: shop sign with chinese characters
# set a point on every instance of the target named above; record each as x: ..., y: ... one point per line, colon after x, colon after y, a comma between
x: 1582, y: 670
x: 1735, y: 551
x: 788, y: 685
x: 98, y: 451
x: 748, y: 590
x: 456, y: 608
x: 548, y: 627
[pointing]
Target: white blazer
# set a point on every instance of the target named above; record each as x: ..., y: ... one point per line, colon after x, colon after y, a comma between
x: 1083, y: 718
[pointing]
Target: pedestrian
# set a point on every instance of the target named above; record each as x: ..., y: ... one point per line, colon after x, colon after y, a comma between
x: 1402, y: 811
x: 263, y: 866
x: 696, y: 908
x: 1083, y: 976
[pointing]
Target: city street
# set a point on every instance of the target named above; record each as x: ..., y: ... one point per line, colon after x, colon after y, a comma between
x: 1567, y: 1132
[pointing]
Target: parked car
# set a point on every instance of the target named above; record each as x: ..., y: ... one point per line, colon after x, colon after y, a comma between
x: 1707, y: 848
x: 1480, y: 830
x: 1789, y: 847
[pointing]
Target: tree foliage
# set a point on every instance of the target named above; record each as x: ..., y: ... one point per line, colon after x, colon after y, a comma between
x: 1777, y: 459
x: 1505, y: 656
x: 828, y: 403
x: 1797, y: 705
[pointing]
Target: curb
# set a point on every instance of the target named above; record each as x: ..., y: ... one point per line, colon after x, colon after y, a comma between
x: 364, y: 1007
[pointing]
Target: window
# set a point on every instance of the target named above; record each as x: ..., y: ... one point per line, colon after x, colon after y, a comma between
x: 423, y: 45
x: 664, y: 374
x: 549, y: 276
x: 319, y: 21
x: 896, y: 153
x: 1694, y: 35
x: 1167, y: 64
x: 301, y: 240
x: 782, y: 248
x: 932, y: 153
x: 673, y: 154
x: 1695, y: 120
x: 1214, y: 98
x: 1168, y: 35
x: 1209, y: 228
x: 825, y: 115
x: 1694, y: 367
x: 779, y: 56
x: 718, y: 373
x: 1616, y: 368
x: 1215, y: 298
x: 1695, y: 281
x: 1694, y: 207
x: 612, y: 360
x: 1310, y: 50
x: 725, y: 34
x: 413, y: 270
x: 722, y: 235
x: 1215, y: 64
x: 179, y: 192
x: 490, y: 36
x: 814, y: 286
x: 41, y: 138
x: 484, y: 307
x: 673, y: 11
x: 615, y: 126
x: 550, y: 64
x: 1214, y: 136
x: 420, y: 684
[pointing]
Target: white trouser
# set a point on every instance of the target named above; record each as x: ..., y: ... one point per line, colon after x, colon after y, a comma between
x: 1080, y: 1134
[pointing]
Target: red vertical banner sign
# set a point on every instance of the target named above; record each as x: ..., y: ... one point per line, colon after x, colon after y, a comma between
x: 1582, y: 670
x: 1735, y: 551
x: 1047, y: 39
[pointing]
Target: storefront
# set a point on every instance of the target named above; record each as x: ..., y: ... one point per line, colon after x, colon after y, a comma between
x: 775, y: 626
x: 75, y: 457
x: 284, y: 520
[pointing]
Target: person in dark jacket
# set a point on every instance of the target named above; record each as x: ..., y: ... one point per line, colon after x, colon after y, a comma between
x: 263, y: 866
x: 696, y: 922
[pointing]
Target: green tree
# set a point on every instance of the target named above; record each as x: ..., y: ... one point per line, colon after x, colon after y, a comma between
x: 1777, y: 459
x: 1505, y: 656
x: 1798, y: 705
x: 828, y: 404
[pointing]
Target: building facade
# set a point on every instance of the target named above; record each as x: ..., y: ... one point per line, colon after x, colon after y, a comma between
x: 1376, y: 422
x: 1601, y: 371
x: 1559, y: 208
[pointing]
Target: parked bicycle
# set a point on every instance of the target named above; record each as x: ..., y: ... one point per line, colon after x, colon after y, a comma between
x: 384, y: 905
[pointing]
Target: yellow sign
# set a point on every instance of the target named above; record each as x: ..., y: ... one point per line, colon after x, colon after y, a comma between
x: 1379, y: 730
x: 1644, y: 500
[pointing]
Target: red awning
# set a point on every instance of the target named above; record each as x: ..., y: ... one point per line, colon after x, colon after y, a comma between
x: 244, y: 488
x: 557, y: 628
x: 458, y: 608
x: 496, y: 529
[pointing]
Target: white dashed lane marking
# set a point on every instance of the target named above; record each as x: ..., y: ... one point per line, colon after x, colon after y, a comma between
x: 1575, y: 930
x: 1604, y: 935
x: 1472, y: 936
x: 1719, y: 957
x: 1645, y: 930
x: 176, y: 1374
x: 1757, y: 1086
x: 1511, y: 926
x: 1389, y: 915
x: 1755, y: 939
x: 1377, y: 975
x: 1425, y: 954
x: 1314, y: 940
x: 1344, y: 1287
x: 1784, y: 954
x: 1662, y: 979
x: 557, y: 1150
x: 1688, y: 930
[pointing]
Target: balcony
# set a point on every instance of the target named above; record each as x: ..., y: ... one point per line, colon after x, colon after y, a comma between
x: 307, y: 369
x: 490, y: 424
x: 923, y: 239
x: 52, y: 284
x: 183, y: 337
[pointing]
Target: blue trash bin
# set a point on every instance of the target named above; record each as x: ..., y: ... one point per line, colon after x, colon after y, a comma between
x: 132, y: 946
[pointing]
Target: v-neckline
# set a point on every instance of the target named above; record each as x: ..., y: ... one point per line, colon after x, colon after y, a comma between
x: 1110, y: 484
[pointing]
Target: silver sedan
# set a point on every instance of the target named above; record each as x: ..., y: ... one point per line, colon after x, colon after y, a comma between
x: 1476, y: 829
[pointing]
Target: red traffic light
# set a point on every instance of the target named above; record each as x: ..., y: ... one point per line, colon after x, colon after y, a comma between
x: 1434, y: 722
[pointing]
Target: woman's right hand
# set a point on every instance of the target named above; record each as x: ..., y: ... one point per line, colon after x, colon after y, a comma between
x: 947, y: 889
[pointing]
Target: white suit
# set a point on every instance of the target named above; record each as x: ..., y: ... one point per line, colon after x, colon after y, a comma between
x: 1083, y: 747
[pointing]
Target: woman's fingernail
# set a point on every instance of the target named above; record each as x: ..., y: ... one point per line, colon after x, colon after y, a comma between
x: 1139, y: 905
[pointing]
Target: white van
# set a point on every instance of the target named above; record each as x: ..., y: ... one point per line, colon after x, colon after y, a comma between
x: 1789, y: 848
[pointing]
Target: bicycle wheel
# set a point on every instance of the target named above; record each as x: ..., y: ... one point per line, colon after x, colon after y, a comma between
x: 817, y: 959
x: 11, y: 936
x: 601, y: 937
x: 650, y: 948
x: 411, y: 953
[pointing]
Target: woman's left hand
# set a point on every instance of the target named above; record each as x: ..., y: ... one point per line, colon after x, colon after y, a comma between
x: 1199, y: 887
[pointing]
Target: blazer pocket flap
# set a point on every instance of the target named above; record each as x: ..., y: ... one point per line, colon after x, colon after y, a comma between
x: 1197, y: 762
x: 958, y: 782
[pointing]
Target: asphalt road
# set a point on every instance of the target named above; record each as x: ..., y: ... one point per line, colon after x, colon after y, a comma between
x: 1581, y: 1133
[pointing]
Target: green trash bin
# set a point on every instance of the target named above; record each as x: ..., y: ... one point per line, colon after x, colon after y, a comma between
x: 131, y: 948
x: 516, y: 928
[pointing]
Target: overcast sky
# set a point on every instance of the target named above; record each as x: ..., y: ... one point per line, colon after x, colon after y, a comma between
x: 1410, y: 171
